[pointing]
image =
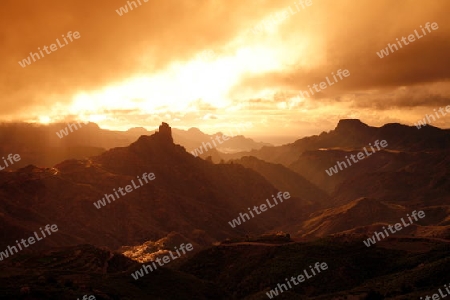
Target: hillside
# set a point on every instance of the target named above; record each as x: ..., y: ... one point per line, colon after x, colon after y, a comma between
x: 287, y: 180
x: 199, y: 198
x: 72, y: 272
x: 390, y: 270
x: 352, y: 134
x: 47, y: 145
x: 250, y: 271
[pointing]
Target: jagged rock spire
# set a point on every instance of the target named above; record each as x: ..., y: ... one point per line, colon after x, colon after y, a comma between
x: 165, y: 132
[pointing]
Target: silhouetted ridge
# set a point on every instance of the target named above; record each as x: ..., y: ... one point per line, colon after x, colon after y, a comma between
x: 160, y: 138
x: 194, y: 130
x: 138, y: 130
x: 351, y: 125
x: 165, y: 133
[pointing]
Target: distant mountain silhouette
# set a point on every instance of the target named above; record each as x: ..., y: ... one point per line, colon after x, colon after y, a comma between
x: 193, y: 139
x: 192, y: 200
x: 195, y: 195
x: 40, y: 145
x: 353, y: 134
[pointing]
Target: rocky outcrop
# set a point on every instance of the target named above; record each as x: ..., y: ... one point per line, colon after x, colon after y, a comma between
x: 165, y: 133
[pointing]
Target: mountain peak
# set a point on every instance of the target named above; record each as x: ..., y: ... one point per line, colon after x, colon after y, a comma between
x: 350, y: 125
x: 351, y: 122
x: 138, y: 130
x: 194, y: 130
x: 165, y: 132
x: 162, y: 137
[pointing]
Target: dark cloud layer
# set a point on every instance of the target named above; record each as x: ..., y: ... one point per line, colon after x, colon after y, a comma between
x: 111, y: 47
x: 354, y: 31
x: 150, y: 37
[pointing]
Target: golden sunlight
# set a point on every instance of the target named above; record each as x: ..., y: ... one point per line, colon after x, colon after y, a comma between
x: 213, y: 77
x: 180, y: 85
x: 44, y: 119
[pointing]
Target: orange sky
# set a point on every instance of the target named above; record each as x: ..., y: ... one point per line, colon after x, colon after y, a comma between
x: 197, y: 63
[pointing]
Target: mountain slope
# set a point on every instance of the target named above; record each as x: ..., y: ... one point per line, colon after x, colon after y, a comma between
x: 195, y: 195
x: 72, y: 272
x: 287, y: 180
x: 47, y: 145
x: 352, y: 134
x: 250, y: 271
x: 364, y: 216
x: 394, y: 176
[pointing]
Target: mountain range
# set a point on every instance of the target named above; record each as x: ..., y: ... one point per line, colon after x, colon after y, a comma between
x: 192, y: 200
x: 47, y: 145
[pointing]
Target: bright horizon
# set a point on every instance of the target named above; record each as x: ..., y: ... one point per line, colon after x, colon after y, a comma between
x: 215, y: 76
